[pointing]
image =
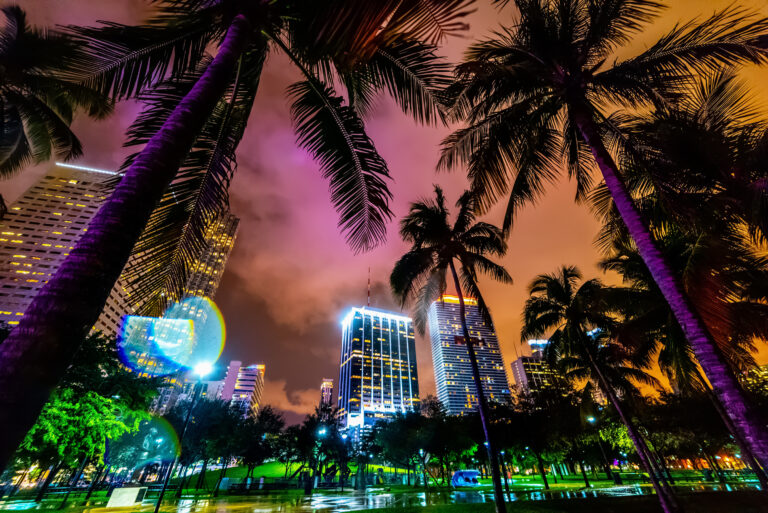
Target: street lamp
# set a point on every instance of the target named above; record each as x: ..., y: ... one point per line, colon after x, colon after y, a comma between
x: 591, y: 419
x: 424, y: 472
x: 201, y: 369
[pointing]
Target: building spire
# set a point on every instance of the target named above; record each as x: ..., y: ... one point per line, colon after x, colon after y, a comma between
x: 369, y: 286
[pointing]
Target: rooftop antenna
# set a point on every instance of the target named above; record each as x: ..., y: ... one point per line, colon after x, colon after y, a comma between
x: 369, y: 286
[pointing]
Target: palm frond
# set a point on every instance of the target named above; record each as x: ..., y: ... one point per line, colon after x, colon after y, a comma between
x: 123, y: 61
x: 175, y: 235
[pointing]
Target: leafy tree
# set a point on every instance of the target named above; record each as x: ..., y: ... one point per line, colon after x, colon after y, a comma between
x: 539, y: 94
x: 258, y: 437
x: 195, y: 118
x: 580, y: 344
x: 419, y: 278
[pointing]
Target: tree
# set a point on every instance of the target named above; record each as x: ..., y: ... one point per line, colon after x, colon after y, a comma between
x: 580, y: 344
x: 368, y: 48
x: 37, y: 100
x: 539, y: 93
x: 419, y: 278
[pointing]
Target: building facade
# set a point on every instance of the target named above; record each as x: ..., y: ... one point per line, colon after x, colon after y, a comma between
x: 378, y: 377
x: 326, y: 392
x: 533, y: 373
x: 42, y: 227
x: 453, y: 372
x: 243, y: 387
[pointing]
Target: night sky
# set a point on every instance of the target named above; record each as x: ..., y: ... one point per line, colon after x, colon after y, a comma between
x: 291, y: 275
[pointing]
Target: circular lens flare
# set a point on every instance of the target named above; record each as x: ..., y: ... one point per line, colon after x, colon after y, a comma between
x: 154, y: 442
x: 190, y: 333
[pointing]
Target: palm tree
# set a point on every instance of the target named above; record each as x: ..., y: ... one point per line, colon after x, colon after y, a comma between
x: 37, y: 102
x: 367, y: 47
x: 538, y: 94
x: 698, y: 171
x: 712, y: 278
x: 419, y: 278
x: 580, y: 343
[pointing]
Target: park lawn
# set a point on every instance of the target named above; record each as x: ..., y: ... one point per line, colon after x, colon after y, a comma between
x: 702, y: 502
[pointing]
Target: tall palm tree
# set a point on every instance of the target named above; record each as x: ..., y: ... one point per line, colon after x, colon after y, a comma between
x: 371, y: 47
x: 579, y: 328
x: 420, y: 277
x: 37, y: 101
x: 698, y: 171
x: 538, y: 94
x: 711, y: 276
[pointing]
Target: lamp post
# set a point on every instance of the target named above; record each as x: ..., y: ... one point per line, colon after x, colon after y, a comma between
x: 344, y: 437
x: 424, y: 472
x: 504, y: 473
x: 321, y: 432
x: 201, y: 369
x: 609, y: 474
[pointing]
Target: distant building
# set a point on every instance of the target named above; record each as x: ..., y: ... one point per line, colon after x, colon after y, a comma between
x: 453, y: 372
x: 533, y: 373
x: 378, y: 376
x: 40, y: 229
x: 243, y: 387
x: 326, y: 392
x: 170, y: 396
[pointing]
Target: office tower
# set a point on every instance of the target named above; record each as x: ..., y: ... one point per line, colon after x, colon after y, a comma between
x: 326, y: 392
x: 533, y: 373
x: 206, y: 273
x: 453, y: 372
x: 203, y: 279
x: 377, y: 376
x: 180, y: 391
x: 41, y: 227
x: 243, y: 387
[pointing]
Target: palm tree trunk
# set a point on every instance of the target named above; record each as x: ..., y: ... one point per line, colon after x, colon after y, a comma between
x: 36, y: 353
x: 746, y: 451
x: 498, y: 492
x: 542, y: 472
x: 724, y: 383
x: 667, y: 499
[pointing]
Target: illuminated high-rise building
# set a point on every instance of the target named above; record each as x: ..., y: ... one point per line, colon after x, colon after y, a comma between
x: 203, y: 280
x: 533, y: 373
x: 453, y: 371
x: 326, y: 391
x: 41, y: 227
x: 243, y: 387
x: 378, y: 376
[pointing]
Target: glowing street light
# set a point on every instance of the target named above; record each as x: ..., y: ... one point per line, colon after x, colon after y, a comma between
x: 201, y: 369
x: 591, y: 419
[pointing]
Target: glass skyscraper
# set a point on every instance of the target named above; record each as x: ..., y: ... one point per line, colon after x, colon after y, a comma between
x: 378, y: 376
x: 453, y: 372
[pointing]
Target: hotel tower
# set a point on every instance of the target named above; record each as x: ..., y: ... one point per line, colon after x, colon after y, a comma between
x: 378, y: 376
x: 453, y: 372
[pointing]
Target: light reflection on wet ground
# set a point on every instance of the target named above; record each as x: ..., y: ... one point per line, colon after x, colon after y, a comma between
x: 353, y: 501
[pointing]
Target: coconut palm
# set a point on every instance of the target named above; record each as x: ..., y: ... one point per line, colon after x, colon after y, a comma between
x: 369, y: 48
x: 579, y: 326
x: 37, y: 102
x: 713, y: 277
x: 537, y: 95
x: 420, y: 277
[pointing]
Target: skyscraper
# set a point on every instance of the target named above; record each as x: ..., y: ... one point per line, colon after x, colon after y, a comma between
x: 326, y: 392
x: 243, y: 386
x: 533, y: 373
x: 41, y: 227
x: 378, y: 376
x: 203, y: 280
x: 453, y: 372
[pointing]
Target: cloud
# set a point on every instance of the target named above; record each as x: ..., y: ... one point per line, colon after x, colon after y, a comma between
x: 295, y: 404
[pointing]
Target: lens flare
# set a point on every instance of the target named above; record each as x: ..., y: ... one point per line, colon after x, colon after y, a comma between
x: 191, y: 331
x: 209, y: 333
x: 148, y: 344
x: 155, y: 442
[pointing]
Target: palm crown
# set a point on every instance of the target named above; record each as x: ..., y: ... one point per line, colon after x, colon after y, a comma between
x: 523, y: 91
x: 37, y: 103
x: 379, y: 47
x: 420, y: 275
